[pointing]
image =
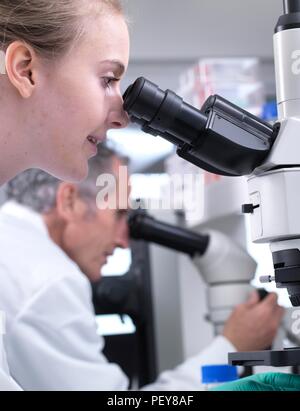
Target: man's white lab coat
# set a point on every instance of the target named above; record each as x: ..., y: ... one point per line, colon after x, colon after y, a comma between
x: 6, y: 382
x: 51, y: 338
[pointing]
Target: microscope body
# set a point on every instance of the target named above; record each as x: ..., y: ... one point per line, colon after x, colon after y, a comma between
x: 273, y: 186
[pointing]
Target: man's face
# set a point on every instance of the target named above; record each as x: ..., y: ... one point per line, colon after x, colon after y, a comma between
x: 92, y: 238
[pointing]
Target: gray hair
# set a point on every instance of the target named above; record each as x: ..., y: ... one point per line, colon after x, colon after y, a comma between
x: 37, y: 189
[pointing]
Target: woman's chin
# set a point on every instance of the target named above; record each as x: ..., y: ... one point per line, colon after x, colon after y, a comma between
x: 79, y: 174
x: 73, y: 173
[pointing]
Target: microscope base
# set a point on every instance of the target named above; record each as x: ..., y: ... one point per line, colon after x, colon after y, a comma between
x: 286, y: 357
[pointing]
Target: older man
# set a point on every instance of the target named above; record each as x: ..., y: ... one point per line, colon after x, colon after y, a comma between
x: 54, y: 241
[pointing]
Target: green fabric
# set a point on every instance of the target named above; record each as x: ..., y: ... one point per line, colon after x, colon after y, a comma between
x: 263, y: 382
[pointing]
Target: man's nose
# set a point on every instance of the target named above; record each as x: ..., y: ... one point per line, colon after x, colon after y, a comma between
x: 122, y: 239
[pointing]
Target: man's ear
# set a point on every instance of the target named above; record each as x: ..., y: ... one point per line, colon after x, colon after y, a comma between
x: 21, y: 64
x: 69, y: 205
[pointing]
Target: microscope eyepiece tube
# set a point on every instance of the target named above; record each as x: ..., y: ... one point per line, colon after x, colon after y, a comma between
x: 163, y: 112
x: 144, y: 227
x: 291, y: 6
x: 220, y: 138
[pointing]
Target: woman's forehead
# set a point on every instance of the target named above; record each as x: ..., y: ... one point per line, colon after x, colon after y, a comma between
x: 107, y: 39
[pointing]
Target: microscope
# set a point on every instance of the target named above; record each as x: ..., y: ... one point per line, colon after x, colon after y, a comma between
x: 226, y: 140
x: 225, y: 267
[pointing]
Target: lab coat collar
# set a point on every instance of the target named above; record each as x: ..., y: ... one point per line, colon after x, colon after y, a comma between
x: 25, y: 214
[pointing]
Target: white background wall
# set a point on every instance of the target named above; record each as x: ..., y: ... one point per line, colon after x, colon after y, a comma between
x: 187, y: 29
x: 169, y: 35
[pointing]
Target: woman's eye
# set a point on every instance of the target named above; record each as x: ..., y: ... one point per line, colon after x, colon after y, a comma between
x: 109, y: 80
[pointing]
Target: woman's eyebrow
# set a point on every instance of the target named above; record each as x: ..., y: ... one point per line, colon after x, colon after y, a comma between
x: 118, y: 69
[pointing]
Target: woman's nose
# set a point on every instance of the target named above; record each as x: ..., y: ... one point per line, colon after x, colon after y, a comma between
x: 118, y: 117
x: 121, y: 121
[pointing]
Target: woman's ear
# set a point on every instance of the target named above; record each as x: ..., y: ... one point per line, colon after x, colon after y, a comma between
x: 20, y: 65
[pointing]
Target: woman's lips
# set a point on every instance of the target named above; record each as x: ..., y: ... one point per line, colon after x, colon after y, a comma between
x: 92, y: 139
x: 93, y: 145
x: 96, y: 139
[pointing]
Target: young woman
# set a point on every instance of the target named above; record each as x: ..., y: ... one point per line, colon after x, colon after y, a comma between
x: 59, y: 94
x: 60, y: 67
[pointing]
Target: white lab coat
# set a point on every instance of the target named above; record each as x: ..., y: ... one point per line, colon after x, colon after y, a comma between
x: 6, y: 382
x: 51, y: 338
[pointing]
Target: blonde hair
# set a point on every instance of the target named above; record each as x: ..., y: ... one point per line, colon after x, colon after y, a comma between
x: 51, y: 27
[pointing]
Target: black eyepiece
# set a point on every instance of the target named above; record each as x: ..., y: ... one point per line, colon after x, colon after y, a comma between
x: 162, y: 112
x: 144, y: 227
x: 132, y: 93
x: 220, y: 138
